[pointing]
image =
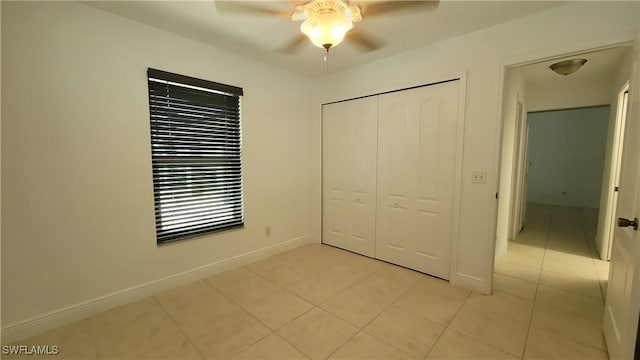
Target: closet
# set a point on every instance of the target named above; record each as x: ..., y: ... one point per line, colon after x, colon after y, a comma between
x: 390, y: 168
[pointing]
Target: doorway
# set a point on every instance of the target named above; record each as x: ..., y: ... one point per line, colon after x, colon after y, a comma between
x: 534, y: 88
x: 545, y: 246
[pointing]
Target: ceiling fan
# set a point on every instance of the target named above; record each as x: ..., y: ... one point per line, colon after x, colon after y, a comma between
x: 327, y: 22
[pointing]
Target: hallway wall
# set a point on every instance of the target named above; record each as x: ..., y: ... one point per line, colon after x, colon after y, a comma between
x: 567, y: 150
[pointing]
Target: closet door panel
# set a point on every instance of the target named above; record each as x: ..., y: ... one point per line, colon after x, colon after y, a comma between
x: 336, y: 228
x: 394, y: 158
x: 335, y: 167
x: 399, y: 228
x: 359, y: 222
x: 349, y: 174
x: 437, y: 149
x: 417, y: 158
x: 429, y: 144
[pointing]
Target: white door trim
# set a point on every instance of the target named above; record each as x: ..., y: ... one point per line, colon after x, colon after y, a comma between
x: 614, y: 175
x: 517, y: 180
x: 457, y: 278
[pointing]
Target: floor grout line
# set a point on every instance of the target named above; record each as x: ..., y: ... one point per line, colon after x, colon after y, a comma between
x: 271, y: 331
x: 315, y: 306
x: 184, y: 333
x: 535, y: 294
x: 583, y: 239
x: 449, y: 324
x: 93, y: 339
x: 362, y: 329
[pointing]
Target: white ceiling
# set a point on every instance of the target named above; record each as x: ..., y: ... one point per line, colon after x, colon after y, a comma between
x: 259, y: 37
x: 600, y: 64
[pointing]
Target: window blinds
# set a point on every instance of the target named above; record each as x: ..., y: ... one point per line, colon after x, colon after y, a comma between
x: 196, y: 155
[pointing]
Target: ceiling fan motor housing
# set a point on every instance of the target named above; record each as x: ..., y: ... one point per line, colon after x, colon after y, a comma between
x: 328, y: 21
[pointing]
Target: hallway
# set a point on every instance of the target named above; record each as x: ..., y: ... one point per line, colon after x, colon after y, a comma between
x: 553, y: 263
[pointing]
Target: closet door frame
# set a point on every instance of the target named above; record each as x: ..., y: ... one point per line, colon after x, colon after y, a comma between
x: 457, y: 192
x: 458, y: 177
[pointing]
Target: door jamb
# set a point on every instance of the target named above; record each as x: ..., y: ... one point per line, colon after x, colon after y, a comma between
x: 517, y: 179
x: 614, y: 172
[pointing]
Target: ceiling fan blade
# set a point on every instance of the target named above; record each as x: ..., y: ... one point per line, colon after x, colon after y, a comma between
x: 377, y: 8
x: 294, y: 45
x: 365, y: 42
x: 249, y: 8
x: 296, y: 3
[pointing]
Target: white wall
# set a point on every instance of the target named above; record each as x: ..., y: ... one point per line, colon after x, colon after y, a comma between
x: 482, y: 55
x: 566, y: 156
x: 78, y: 209
x: 608, y: 180
x: 514, y: 92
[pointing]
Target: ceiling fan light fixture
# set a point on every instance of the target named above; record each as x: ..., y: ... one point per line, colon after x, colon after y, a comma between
x: 326, y: 30
x: 567, y: 67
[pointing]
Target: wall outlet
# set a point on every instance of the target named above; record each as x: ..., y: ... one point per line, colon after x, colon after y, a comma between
x: 479, y: 177
x: 267, y: 231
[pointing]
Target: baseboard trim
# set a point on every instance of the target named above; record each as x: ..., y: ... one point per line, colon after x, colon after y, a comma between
x: 470, y: 282
x: 59, y: 317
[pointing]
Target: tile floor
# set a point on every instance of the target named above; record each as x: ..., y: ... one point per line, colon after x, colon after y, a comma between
x: 318, y: 302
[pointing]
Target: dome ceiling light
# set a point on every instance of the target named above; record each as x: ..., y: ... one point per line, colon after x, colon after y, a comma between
x: 567, y: 67
x: 326, y: 22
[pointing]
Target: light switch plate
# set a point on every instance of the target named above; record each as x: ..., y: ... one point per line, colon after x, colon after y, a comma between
x: 479, y: 177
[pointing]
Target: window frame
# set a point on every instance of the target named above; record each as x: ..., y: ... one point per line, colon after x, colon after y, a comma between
x: 196, y: 152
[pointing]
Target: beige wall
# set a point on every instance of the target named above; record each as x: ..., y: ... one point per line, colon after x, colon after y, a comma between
x: 78, y: 209
x: 482, y: 56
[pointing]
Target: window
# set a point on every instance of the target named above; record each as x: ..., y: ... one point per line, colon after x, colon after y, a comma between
x: 196, y: 152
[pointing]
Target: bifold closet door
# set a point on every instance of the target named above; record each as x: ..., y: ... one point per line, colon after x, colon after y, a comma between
x: 416, y: 170
x: 349, y: 149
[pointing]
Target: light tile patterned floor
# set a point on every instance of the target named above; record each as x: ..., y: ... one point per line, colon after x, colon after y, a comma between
x: 318, y: 302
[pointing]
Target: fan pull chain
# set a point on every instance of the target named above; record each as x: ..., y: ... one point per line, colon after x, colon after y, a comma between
x: 326, y: 60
